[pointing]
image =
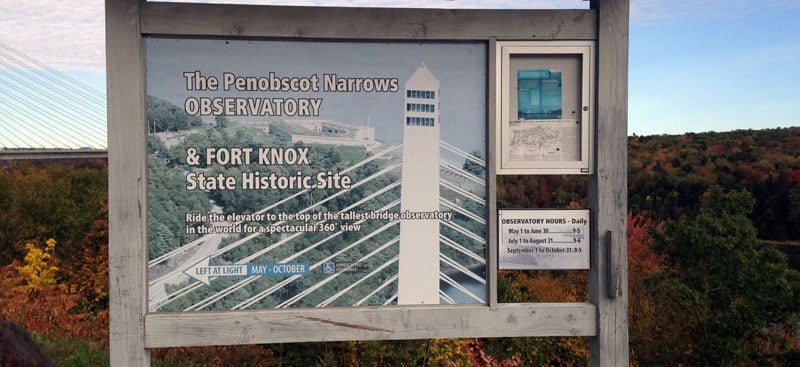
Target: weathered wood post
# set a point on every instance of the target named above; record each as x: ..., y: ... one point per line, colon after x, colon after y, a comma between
x: 608, y: 189
x: 126, y: 177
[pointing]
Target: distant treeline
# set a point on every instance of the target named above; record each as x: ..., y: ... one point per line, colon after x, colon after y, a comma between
x: 669, y: 173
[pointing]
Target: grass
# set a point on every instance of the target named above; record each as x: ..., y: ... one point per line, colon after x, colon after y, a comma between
x: 69, y: 352
x: 350, y: 153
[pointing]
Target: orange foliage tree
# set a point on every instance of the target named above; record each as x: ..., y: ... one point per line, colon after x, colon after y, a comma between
x: 55, y: 290
x: 90, y: 277
x: 538, y: 286
x: 33, y: 299
x: 643, y: 311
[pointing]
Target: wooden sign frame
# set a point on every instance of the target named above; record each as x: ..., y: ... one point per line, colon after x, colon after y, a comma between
x: 134, y: 330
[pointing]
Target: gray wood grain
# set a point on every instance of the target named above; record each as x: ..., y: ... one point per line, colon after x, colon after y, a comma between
x: 126, y: 182
x: 365, y: 23
x: 608, y: 195
x: 375, y: 323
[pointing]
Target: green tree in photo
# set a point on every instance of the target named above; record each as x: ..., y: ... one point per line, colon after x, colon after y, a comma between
x: 165, y: 116
x: 221, y: 121
x: 473, y: 167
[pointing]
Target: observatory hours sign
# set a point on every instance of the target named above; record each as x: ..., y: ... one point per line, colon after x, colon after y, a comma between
x: 313, y: 174
x: 545, y: 239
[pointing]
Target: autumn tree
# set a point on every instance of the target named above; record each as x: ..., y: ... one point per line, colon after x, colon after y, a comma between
x: 668, y: 174
x: 50, y: 200
x: 647, y: 315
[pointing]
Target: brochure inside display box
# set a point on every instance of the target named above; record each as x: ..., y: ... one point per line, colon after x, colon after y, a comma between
x: 545, y: 115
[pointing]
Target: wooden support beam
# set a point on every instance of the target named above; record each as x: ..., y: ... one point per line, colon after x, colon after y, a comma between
x: 127, y: 184
x: 372, y: 323
x: 365, y: 23
x: 608, y: 193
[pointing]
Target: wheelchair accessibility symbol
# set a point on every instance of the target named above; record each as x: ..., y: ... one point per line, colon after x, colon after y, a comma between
x: 329, y: 268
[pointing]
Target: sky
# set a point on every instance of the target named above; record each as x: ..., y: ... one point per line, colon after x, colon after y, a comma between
x: 695, y: 66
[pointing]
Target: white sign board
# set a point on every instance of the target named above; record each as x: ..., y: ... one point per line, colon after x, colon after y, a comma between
x: 543, y: 239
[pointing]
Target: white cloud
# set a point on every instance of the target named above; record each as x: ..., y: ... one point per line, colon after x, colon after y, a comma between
x: 66, y: 35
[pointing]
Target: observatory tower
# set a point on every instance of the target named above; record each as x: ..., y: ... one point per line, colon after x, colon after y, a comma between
x: 419, y: 239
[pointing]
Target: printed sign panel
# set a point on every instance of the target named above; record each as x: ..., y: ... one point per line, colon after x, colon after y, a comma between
x: 545, y: 239
x: 315, y: 174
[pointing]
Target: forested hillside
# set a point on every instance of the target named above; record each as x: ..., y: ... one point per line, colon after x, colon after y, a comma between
x: 668, y: 175
x: 706, y: 289
x: 705, y: 286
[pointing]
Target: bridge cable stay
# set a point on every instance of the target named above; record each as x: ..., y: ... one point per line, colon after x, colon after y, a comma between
x: 463, y: 231
x: 69, y: 135
x: 462, y: 192
x: 11, y: 132
x: 462, y: 153
x: 53, y: 102
x: 379, y: 288
x: 450, y: 205
x: 344, y: 291
x: 462, y: 269
x: 461, y: 249
x: 55, y: 75
x: 13, y: 114
x: 391, y: 300
x: 46, y: 95
x: 252, y: 300
x: 447, y: 299
x: 447, y: 279
x: 463, y: 173
x: 329, y: 279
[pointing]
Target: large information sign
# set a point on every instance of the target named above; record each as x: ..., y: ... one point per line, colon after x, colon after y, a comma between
x: 543, y: 239
x: 313, y: 174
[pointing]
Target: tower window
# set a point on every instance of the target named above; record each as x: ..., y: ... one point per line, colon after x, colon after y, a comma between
x: 426, y: 94
x: 420, y: 121
x: 420, y: 107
